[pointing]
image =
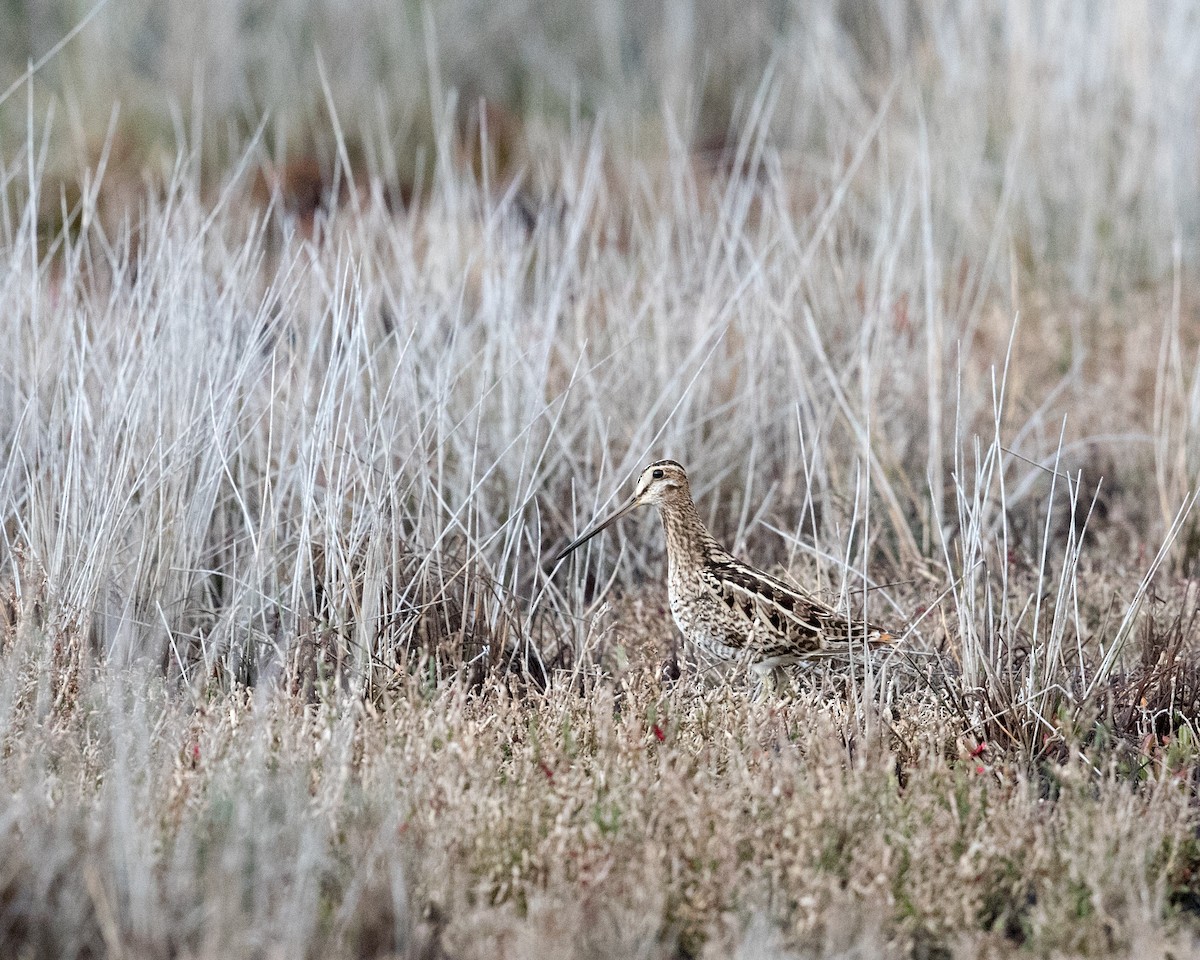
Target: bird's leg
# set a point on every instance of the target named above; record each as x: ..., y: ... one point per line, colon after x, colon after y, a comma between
x: 670, y: 667
x: 771, y: 681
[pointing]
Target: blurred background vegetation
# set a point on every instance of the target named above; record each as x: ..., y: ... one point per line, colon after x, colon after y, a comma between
x: 1089, y: 108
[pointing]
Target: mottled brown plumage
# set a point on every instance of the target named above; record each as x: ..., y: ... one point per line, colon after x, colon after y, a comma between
x: 726, y: 608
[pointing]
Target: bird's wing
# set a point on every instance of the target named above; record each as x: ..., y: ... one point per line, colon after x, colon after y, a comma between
x: 803, y: 623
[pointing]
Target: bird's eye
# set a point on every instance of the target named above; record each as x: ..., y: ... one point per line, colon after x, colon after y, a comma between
x: 657, y: 475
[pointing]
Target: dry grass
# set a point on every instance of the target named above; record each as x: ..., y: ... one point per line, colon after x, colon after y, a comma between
x: 630, y: 821
x: 291, y: 416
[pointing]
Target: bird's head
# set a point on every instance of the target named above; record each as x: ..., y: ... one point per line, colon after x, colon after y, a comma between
x: 663, y: 483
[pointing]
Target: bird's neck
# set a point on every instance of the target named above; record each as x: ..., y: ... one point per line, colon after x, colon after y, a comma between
x: 688, y: 541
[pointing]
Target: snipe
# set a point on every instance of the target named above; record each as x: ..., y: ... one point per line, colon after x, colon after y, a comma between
x: 730, y: 610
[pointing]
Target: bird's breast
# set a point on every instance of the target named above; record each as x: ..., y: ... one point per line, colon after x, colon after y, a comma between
x: 706, y: 622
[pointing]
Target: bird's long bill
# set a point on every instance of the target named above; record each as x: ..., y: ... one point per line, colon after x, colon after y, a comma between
x: 595, y: 529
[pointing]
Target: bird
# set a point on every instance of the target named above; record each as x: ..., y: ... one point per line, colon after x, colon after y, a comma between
x: 730, y: 610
